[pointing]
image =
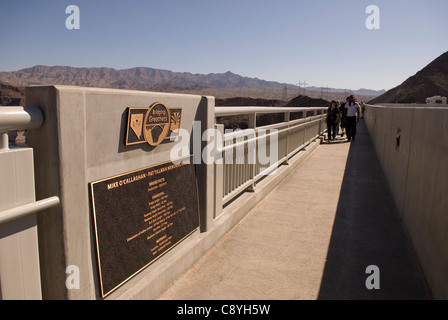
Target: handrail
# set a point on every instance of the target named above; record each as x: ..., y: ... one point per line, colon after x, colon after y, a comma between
x: 20, y: 118
x: 229, y: 111
x: 17, y: 118
x: 22, y: 211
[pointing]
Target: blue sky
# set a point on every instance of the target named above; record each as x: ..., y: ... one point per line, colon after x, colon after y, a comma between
x: 322, y: 42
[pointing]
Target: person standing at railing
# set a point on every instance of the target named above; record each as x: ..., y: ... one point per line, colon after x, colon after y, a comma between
x: 352, y: 108
x: 333, y: 116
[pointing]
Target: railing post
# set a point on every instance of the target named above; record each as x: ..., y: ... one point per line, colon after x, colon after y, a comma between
x: 287, y: 119
x: 305, y: 116
x: 219, y: 172
x: 4, y: 141
x: 252, y: 123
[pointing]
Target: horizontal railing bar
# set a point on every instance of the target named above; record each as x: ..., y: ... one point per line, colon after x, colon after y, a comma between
x: 240, y: 143
x: 20, y: 118
x: 273, y: 167
x: 295, y: 123
x: 230, y: 111
x: 237, y: 191
x: 22, y: 211
x: 242, y: 132
x: 239, y: 133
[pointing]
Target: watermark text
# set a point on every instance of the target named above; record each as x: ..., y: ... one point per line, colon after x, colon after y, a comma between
x: 373, y: 20
x: 73, y: 21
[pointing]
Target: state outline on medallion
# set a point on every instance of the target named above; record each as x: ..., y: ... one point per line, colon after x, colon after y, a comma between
x: 152, y: 125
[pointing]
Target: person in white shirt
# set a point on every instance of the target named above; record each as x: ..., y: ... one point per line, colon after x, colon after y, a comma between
x: 352, y: 118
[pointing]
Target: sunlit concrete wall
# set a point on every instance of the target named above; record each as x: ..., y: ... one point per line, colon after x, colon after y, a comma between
x: 412, y: 145
x: 80, y: 141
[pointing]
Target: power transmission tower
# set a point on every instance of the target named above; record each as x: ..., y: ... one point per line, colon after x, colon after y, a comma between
x: 324, y: 90
x: 300, y: 87
x: 285, y: 93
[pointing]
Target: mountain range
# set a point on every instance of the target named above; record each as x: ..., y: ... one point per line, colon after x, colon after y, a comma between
x: 221, y: 85
x: 136, y: 78
x: 431, y: 81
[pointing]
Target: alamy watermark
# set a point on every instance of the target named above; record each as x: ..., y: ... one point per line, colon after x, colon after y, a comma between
x: 373, y: 280
x: 73, y: 278
x: 248, y: 146
x: 73, y: 21
x: 373, y: 20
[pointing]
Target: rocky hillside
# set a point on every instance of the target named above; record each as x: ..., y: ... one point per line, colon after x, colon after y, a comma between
x: 241, y: 121
x: 430, y: 81
x: 240, y: 101
x: 11, y: 95
x: 307, y: 102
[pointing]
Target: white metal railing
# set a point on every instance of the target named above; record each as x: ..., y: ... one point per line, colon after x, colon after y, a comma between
x: 18, y: 118
x: 19, y: 254
x: 22, y: 211
x: 242, y: 151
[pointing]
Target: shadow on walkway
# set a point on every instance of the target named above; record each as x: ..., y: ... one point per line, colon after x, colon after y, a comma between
x: 368, y: 231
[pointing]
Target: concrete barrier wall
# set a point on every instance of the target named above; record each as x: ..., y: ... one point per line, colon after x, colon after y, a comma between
x: 412, y: 146
x: 81, y: 141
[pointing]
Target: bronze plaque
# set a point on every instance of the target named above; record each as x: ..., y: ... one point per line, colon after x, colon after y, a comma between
x: 152, y: 125
x: 141, y: 215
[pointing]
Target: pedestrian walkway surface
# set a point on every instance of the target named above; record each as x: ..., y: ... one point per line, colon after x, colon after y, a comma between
x: 313, y: 237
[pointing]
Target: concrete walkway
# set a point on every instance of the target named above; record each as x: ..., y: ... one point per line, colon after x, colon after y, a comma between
x: 313, y: 237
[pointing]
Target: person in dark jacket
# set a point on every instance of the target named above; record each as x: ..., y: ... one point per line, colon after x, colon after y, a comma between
x: 333, y: 116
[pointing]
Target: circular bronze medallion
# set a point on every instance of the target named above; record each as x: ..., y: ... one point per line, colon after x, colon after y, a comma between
x: 156, y: 124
